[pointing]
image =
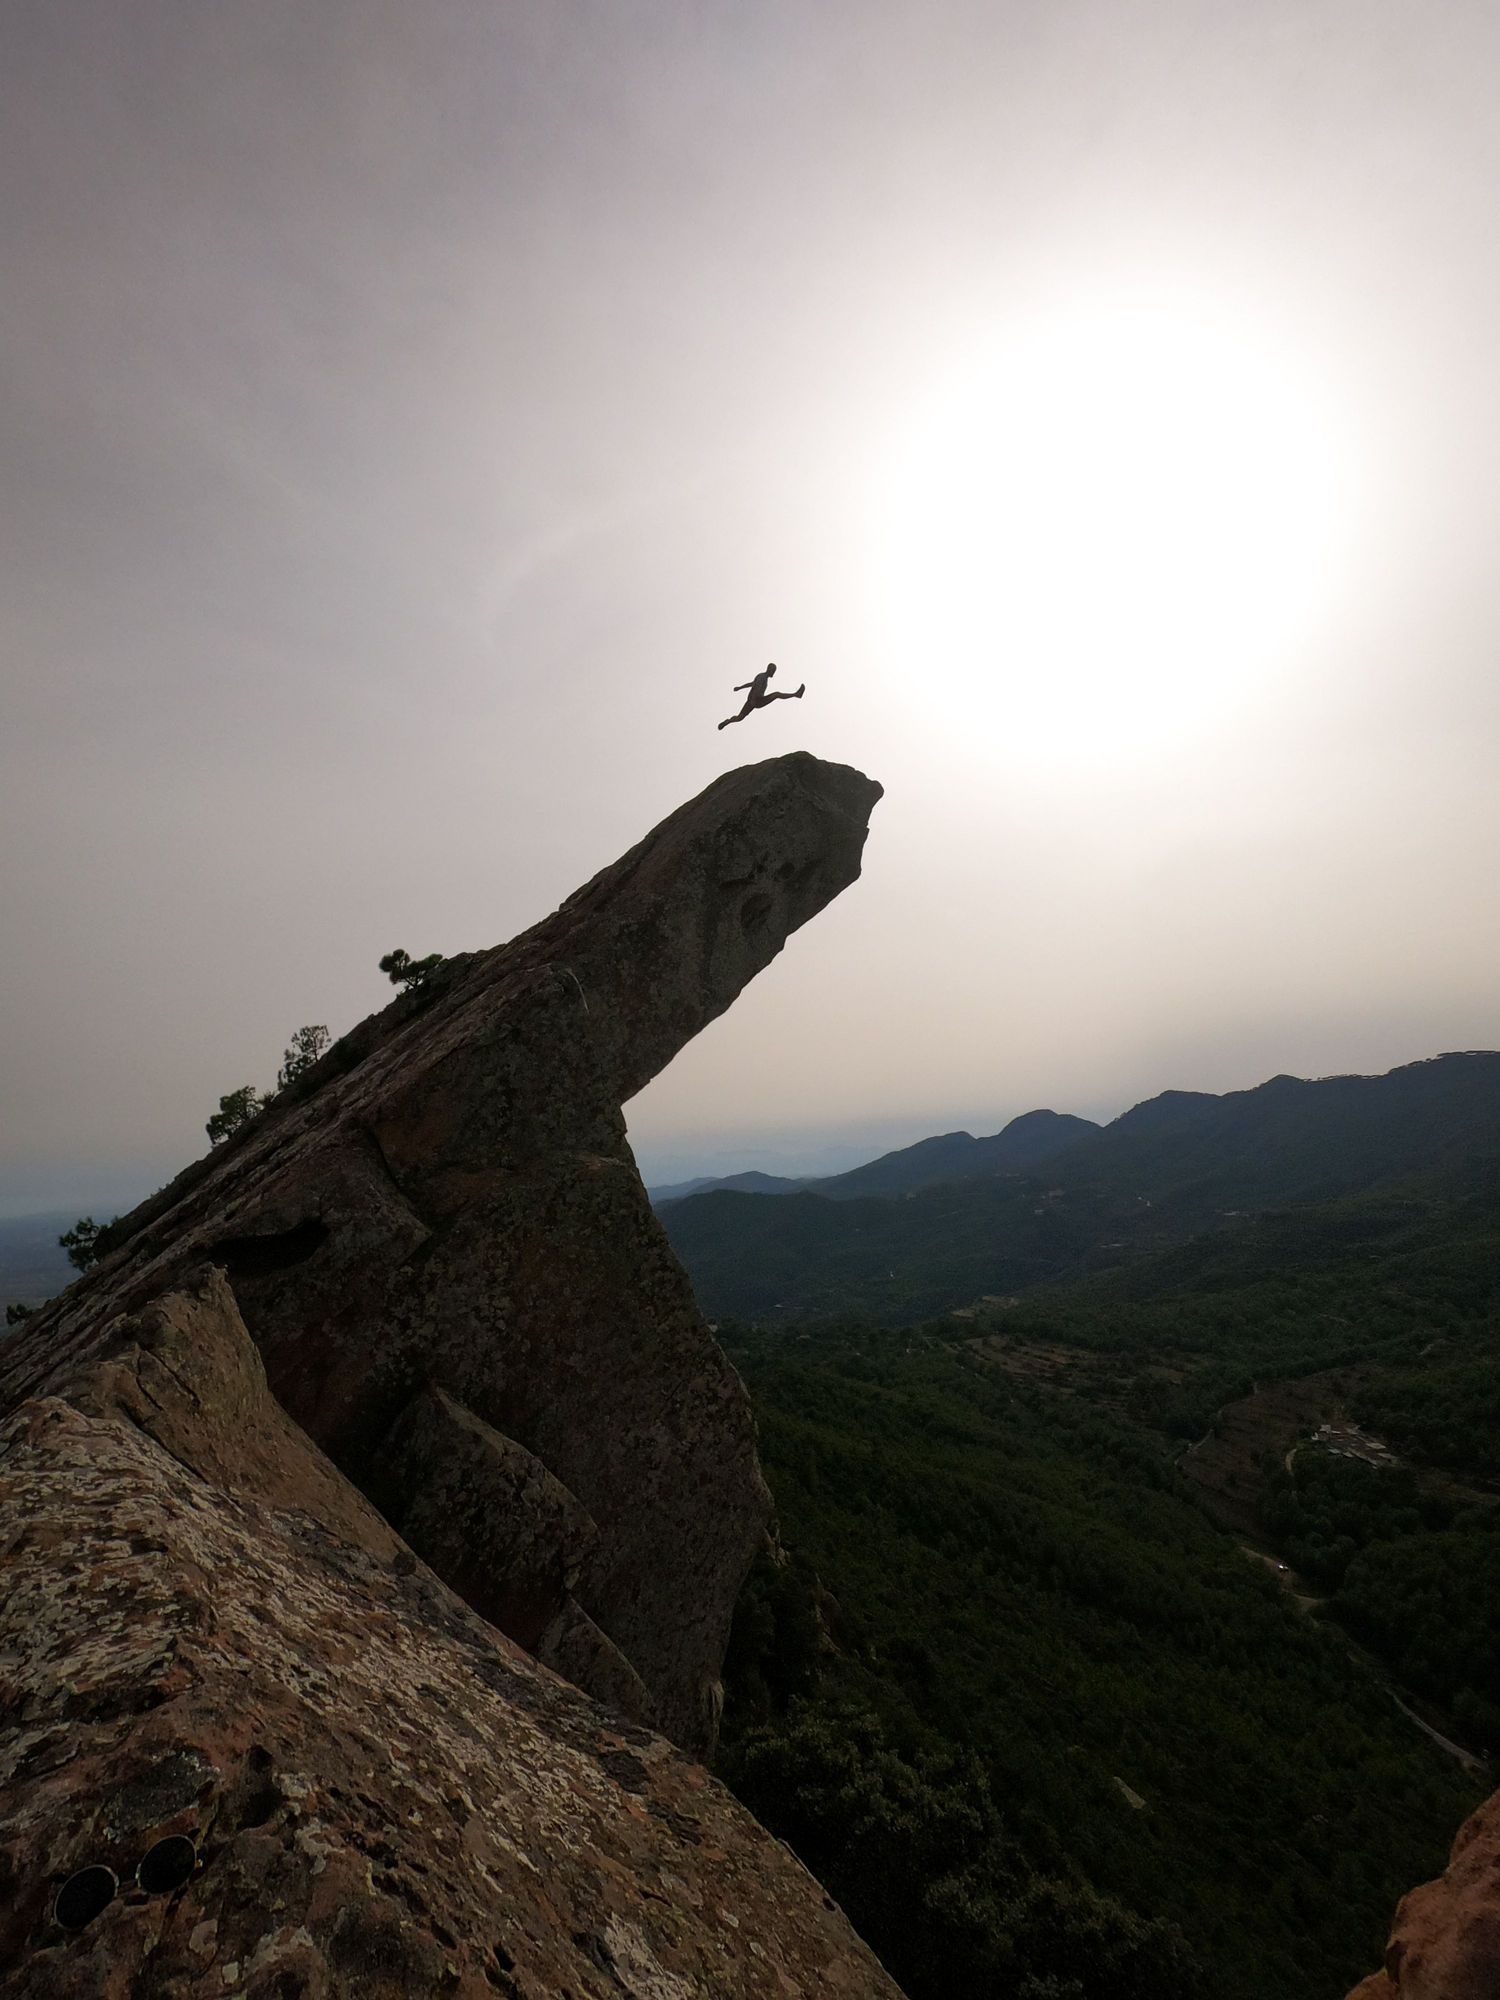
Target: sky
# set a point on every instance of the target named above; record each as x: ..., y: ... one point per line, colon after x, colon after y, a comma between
x: 413, y: 420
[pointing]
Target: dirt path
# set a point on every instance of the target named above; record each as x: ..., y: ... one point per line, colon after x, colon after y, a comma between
x: 1456, y: 1750
x: 1297, y: 1587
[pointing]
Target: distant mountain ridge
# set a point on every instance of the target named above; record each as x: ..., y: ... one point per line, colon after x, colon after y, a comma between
x: 954, y: 1218
x: 1024, y: 1143
x: 752, y: 1181
x: 951, y: 1156
x: 1294, y: 1140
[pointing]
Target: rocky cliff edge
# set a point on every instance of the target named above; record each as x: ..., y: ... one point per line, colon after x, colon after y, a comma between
x: 395, y: 1398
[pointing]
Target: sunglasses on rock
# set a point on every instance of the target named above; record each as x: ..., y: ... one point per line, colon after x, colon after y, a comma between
x: 166, y: 1865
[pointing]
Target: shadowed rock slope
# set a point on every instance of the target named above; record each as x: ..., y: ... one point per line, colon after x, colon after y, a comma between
x: 437, y: 1253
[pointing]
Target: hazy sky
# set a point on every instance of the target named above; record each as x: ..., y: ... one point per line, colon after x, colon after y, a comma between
x: 413, y: 418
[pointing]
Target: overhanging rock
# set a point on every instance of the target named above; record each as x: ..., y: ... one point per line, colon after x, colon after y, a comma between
x: 250, y: 1742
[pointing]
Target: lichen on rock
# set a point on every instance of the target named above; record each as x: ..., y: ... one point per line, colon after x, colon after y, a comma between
x: 385, y: 1796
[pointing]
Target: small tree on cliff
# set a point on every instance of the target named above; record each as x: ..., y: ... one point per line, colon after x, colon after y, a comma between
x: 82, y: 1242
x: 236, y: 1108
x: 403, y: 970
x: 302, y: 1052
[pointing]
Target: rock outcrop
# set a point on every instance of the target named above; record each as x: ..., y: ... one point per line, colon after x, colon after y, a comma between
x: 1445, y: 1942
x: 254, y: 1749
x: 394, y: 1397
x: 447, y: 1202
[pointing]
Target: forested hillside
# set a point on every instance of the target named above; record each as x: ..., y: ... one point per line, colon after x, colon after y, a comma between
x: 1043, y: 1725
x: 1171, y: 1170
x: 1038, y: 1725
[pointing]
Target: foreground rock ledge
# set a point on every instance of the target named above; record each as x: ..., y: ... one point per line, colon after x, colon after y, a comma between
x: 207, y: 1632
x: 441, y: 1246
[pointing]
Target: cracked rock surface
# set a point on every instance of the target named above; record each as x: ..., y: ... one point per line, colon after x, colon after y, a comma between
x: 387, y: 1798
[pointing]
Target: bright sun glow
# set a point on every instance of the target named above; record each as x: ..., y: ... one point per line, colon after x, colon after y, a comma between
x: 1119, y: 531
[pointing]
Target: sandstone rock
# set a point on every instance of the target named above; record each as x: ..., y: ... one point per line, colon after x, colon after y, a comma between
x: 574, y: 1647
x: 1445, y: 1943
x: 487, y: 1515
x: 378, y: 1796
x: 447, y: 1202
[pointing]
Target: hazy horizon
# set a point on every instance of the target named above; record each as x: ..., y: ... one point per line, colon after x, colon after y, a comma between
x: 793, y: 1151
x: 417, y: 420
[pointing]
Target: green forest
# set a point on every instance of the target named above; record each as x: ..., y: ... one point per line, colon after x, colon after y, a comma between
x: 1412, y: 1572
x: 1042, y: 1727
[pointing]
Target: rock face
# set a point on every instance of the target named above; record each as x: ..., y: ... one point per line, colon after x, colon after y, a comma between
x: 436, y: 1252
x: 1445, y: 1942
x: 213, y: 1646
x: 447, y: 1203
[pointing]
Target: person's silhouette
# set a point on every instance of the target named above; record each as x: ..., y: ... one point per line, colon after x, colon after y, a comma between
x: 758, y: 697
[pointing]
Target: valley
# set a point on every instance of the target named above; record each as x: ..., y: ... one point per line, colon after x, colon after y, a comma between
x: 1004, y: 1619
x: 1166, y: 1595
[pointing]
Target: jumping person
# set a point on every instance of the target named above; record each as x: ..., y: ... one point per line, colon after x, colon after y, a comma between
x: 757, y: 697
